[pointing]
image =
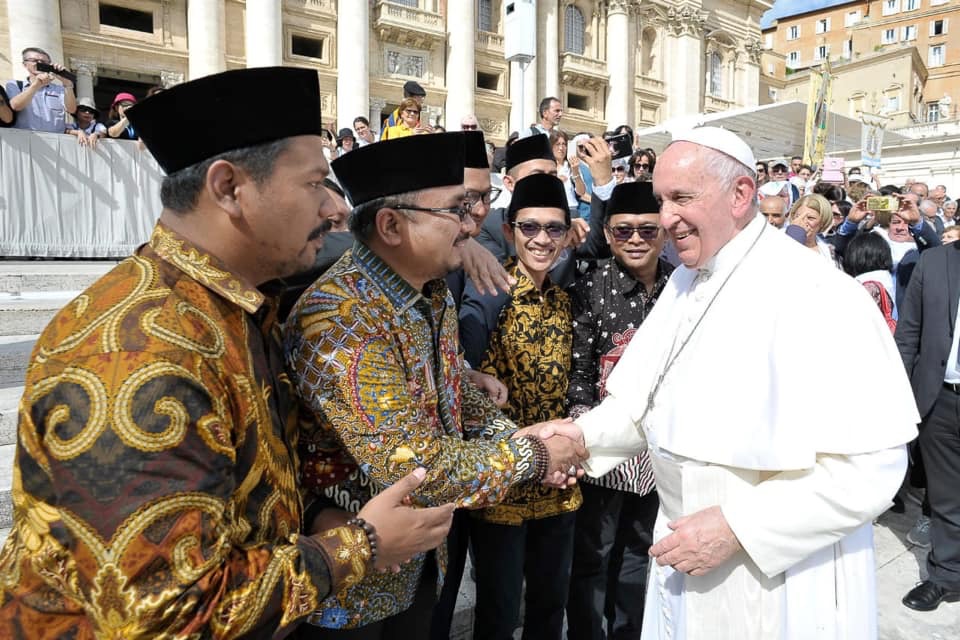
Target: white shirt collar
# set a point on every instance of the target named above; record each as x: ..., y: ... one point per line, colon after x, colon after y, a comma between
x: 732, y: 252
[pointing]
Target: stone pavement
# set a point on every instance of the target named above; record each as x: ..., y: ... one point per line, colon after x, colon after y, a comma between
x: 31, y: 291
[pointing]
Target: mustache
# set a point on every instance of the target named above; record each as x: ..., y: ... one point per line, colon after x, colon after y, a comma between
x: 321, y: 229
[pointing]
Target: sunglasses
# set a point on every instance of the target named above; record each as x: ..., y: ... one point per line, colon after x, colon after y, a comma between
x: 468, y: 127
x: 619, y: 169
x: 641, y: 165
x: 533, y: 229
x: 623, y: 232
x: 411, y: 112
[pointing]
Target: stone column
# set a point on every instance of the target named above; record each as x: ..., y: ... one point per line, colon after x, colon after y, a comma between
x: 685, y: 41
x: 86, y: 71
x: 33, y: 23
x: 523, y: 96
x: 548, y: 50
x: 748, y: 76
x: 618, y: 64
x: 206, y: 38
x: 263, y: 29
x: 461, y: 72
x: 377, y: 106
x: 353, y: 61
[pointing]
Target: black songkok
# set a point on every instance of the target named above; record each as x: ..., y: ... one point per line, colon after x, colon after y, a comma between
x: 530, y: 148
x: 401, y: 165
x: 476, y: 150
x: 538, y: 190
x: 218, y: 115
x: 633, y: 197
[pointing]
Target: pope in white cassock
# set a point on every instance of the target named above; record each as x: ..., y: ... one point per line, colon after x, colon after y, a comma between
x: 771, y: 457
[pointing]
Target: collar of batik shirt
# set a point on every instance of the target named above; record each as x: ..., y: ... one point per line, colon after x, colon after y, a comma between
x: 206, y: 269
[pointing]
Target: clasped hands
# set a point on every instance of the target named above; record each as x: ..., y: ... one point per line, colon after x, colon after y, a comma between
x: 565, y: 447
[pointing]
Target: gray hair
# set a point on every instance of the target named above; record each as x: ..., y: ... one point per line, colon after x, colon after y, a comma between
x: 180, y: 190
x: 928, y: 205
x: 726, y: 170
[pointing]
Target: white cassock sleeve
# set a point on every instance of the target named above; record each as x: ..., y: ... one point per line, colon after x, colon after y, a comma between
x: 611, y: 435
x: 789, y: 516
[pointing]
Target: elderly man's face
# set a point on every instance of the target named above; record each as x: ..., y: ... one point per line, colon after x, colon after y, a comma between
x: 553, y: 113
x: 919, y: 189
x: 778, y: 173
x: 774, y: 210
x: 899, y: 230
x: 937, y: 195
x: 697, y: 212
x: 950, y: 210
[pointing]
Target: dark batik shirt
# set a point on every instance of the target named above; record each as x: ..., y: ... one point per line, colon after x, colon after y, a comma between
x: 529, y: 352
x: 608, y: 305
x: 154, y: 488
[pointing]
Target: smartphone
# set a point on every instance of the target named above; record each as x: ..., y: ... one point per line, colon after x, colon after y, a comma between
x: 621, y: 146
x: 883, y: 203
x: 43, y: 67
x: 583, y: 149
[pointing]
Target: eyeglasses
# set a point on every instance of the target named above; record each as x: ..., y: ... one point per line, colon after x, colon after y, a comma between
x: 619, y: 169
x: 468, y: 127
x: 411, y: 112
x: 623, y: 232
x: 461, y: 212
x: 641, y: 165
x: 475, y: 197
x: 533, y: 229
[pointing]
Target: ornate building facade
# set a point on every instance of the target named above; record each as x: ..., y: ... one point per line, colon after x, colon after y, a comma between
x: 610, y: 62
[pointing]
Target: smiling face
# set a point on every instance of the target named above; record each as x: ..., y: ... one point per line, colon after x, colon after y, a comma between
x: 698, y: 213
x: 809, y: 219
x: 537, y: 254
x: 637, y: 254
x: 432, y: 243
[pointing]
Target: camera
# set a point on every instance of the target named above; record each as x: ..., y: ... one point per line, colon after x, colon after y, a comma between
x: 44, y: 67
x: 883, y: 203
x: 621, y: 146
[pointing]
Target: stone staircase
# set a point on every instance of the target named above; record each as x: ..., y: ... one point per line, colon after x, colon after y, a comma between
x: 31, y: 292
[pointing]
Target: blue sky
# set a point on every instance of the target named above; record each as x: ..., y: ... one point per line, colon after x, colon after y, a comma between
x: 783, y: 8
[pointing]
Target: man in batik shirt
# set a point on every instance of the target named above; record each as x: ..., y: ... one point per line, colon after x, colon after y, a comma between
x: 373, y: 349
x: 155, y: 488
x: 529, y: 535
x: 615, y: 524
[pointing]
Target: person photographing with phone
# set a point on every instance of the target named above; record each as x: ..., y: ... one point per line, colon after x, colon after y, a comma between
x: 44, y: 100
x: 118, y: 126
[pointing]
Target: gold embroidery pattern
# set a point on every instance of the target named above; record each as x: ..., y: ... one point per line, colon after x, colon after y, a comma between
x: 154, y: 487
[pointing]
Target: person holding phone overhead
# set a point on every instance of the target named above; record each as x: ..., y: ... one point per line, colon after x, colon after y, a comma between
x: 44, y: 100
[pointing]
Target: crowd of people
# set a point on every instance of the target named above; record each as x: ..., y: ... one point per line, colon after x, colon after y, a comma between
x: 46, y: 101
x: 318, y: 389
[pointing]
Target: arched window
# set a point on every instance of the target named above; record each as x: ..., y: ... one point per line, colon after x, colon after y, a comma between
x: 648, y: 57
x: 573, y: 28
x: 715, y: 74
x: 485, y: 15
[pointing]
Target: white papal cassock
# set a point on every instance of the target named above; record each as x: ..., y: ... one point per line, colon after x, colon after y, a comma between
x: 789, y: 408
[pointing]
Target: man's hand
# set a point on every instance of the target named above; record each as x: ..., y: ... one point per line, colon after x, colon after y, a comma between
x: 579, y: 229
x: 858, y: 212
x: 598, y: 158
x: 566, y: 450
x: 700, y: 543
x: 495, y: 390
x: 908, y: 211
x: 482, y: 267
x: 404, y: 531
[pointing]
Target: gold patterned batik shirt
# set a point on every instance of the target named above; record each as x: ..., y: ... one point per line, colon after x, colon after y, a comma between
x: 377, y: 364
x: 154, y: 487
x: 529, y: 352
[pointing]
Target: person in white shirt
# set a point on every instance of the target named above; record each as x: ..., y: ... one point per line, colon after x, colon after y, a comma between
x: 768, y: 484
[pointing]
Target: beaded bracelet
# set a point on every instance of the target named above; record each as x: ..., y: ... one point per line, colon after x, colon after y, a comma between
x: 370, y: 532
x: 541, y: 458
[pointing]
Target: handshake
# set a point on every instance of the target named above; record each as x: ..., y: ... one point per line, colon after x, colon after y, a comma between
x: 565, y: 449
